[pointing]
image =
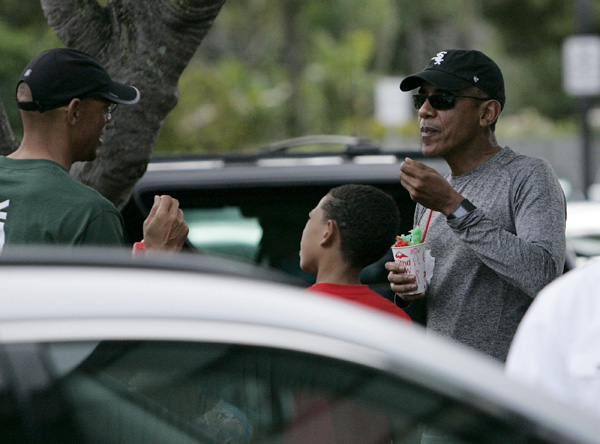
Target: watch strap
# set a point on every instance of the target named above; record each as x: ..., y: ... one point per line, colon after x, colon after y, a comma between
x: 462, y: 209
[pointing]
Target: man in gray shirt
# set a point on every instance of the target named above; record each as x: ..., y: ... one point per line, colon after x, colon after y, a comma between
x: 497, y: 228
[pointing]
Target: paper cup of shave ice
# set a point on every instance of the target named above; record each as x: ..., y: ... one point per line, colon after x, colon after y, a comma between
x: 412, y: 257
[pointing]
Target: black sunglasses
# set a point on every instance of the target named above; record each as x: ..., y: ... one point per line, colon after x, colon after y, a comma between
x: 440, y: 101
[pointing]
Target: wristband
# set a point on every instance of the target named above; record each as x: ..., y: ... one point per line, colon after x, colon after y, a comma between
x: 139, y: 248
x: 462, y: 209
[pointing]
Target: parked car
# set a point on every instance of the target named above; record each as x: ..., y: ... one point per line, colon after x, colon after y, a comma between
x: 583, y: 230
x: 253, y: 206
x: 97, y: 347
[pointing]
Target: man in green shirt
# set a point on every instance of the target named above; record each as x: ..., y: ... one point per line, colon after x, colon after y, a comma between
x: 66, y: 98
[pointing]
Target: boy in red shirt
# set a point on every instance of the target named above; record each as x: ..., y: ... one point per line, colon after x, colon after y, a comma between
x: 351, y: 227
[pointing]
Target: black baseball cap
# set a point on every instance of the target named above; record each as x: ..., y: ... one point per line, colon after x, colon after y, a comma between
x: 456, y: 69
x: 57, y: 76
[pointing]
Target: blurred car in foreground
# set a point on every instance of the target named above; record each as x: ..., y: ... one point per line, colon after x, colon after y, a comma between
x: 102, y: 348
x: 583, y: 230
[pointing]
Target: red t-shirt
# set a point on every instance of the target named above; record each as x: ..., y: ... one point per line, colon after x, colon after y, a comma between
x: 361, y: 294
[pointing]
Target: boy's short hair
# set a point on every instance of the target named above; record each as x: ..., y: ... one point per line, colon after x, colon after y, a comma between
x: 368, y: 221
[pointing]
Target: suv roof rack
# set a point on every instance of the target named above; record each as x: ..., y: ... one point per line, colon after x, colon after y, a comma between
x: 349, y: 148
x: 354, y: 146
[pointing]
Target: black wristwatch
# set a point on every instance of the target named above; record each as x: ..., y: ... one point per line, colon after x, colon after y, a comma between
x: 462, y: 209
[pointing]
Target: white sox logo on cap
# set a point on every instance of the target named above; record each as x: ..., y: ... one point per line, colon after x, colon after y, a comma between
x: 439, y: 57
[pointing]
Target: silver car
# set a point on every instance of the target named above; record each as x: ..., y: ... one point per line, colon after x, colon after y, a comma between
x: 103, y: 348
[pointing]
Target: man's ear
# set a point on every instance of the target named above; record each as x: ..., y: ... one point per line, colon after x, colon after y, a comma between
x: 490, y: 111
x: 73, y: 111
x: 330, y: 232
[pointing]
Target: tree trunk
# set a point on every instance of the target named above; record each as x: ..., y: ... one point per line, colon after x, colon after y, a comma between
x: 146, y: 43
x: 8, y: 141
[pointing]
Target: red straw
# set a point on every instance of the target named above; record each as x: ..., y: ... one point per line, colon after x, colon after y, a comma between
x: 427, y: 226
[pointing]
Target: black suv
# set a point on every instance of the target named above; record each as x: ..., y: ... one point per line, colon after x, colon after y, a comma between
x: 253, y: 207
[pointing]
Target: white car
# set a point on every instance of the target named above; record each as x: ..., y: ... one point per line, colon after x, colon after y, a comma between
x: 97, y: 347
x: 583, y: 229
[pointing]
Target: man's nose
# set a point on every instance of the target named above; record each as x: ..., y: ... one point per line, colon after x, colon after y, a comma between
x: 426, y: 109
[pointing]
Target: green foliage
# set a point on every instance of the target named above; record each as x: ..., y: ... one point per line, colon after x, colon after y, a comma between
x: 23, y: 14
x: 269, y: 70
x: 23, y: 33
x: 532, y: 33
x: 221, y: 105
x: 272, y: 82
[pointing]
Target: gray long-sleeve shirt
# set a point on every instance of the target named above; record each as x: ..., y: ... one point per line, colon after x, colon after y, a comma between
x: 490, y: 264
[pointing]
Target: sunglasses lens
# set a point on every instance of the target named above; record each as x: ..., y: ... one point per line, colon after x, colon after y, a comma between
x: 437, y: 101
x: 419, y: 100
x: 442, y: 101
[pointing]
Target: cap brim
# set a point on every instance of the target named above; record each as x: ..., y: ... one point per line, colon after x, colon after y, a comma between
x: 122, y: 94
x: 439, y: 79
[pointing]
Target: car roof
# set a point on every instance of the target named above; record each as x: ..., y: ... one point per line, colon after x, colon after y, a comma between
x: 280, y: 164
x: 113, y: 296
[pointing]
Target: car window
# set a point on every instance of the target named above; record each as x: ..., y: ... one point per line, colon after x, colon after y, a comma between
x: 224, y: 231
x: 259, y: 226
x: 184, y: 392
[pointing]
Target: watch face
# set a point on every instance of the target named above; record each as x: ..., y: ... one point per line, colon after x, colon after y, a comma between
x: 464, y: 208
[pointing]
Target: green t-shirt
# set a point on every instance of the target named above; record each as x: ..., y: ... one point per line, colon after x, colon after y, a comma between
x: 40, y: 203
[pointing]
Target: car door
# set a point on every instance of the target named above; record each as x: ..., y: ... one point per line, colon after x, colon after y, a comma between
x: 154, y: 391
